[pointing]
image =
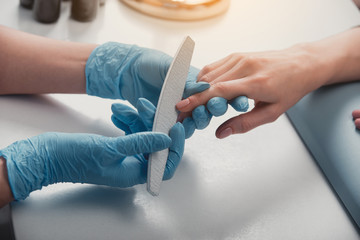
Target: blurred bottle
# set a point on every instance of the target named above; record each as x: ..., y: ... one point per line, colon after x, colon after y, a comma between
x: 84, y: 10
x: 46, y: 11
x: 27, y: 3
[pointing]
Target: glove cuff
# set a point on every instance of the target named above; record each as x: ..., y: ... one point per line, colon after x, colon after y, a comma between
x: 23, y: 178
x: 105, y: 67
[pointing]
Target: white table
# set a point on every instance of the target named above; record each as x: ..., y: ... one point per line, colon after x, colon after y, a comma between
x: 260, y: 185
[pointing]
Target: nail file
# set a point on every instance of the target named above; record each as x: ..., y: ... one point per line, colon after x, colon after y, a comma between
x: 166, y: 114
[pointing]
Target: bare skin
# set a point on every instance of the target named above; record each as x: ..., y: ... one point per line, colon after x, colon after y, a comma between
x: 356, y: 113
x: 32, y: 64
x: 357, y: 3
x: 276, y: 80
x: 5, y: 193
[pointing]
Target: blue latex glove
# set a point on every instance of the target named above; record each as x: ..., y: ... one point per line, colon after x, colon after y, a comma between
x: 217, y: 106
x: 87, y: 158
x: 132, y: 121
x: 128, y: 72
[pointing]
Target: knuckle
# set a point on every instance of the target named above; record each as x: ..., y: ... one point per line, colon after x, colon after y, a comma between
x: 235, y: 56
x: 232, y: 56
x: 266, y: 80
x: 220, y: 88
x: 205, y: 78
x: 194, y: 100
x: 262, y: 78
x: 206, y: 69
x: 262, y: 81
x: 249, y: 60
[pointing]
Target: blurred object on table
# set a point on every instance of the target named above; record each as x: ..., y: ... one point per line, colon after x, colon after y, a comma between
x: 48, y: 11
x: 27, y: 3
x: 84, y: 10
x: 180, y: 9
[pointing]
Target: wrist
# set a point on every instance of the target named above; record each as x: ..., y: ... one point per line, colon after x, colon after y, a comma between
x: 6, y: 195
x: 339, y: 57
x: 330, y: 59
x: 315, y: 68
x: 25, y: 166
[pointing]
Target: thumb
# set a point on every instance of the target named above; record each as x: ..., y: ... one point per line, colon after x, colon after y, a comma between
x: 243, y: 123
x: 144, y: 142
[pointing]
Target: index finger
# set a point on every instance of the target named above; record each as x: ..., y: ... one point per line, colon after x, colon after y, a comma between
x: 227, y: 90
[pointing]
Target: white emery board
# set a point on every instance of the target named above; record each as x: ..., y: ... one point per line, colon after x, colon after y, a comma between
x: 166, y: 114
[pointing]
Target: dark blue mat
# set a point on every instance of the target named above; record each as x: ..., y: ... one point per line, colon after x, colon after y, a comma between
x: 324, y: 122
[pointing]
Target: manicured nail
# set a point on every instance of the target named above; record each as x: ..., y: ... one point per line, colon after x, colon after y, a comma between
x: 183, y: 103
x: 225, y: 133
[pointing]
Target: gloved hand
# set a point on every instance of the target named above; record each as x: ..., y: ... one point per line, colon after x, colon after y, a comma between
x: 217, y: 106
x: 87, y: 158
x: 128, y: 72
x: 132, y: 121
x: 201, y: 116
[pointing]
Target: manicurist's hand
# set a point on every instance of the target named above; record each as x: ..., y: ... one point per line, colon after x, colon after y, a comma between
x: 87, y: 158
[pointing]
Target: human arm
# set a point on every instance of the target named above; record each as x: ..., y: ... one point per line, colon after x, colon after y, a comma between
x: 276, y: 80
x: 32, y: 64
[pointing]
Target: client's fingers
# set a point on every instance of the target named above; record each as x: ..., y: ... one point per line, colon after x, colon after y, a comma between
x: 248, y: 121
x: 227, y: 90
x: 225, y: 72
x: 213, y: 70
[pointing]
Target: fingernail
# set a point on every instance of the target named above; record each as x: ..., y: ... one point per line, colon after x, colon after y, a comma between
x: 225, y: 133
x: 183, y: 103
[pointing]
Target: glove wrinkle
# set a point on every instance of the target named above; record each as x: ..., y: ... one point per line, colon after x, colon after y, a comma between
x: 128, y: 72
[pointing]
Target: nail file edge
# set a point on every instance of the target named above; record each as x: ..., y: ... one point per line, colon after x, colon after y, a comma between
x: 166, y: 114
